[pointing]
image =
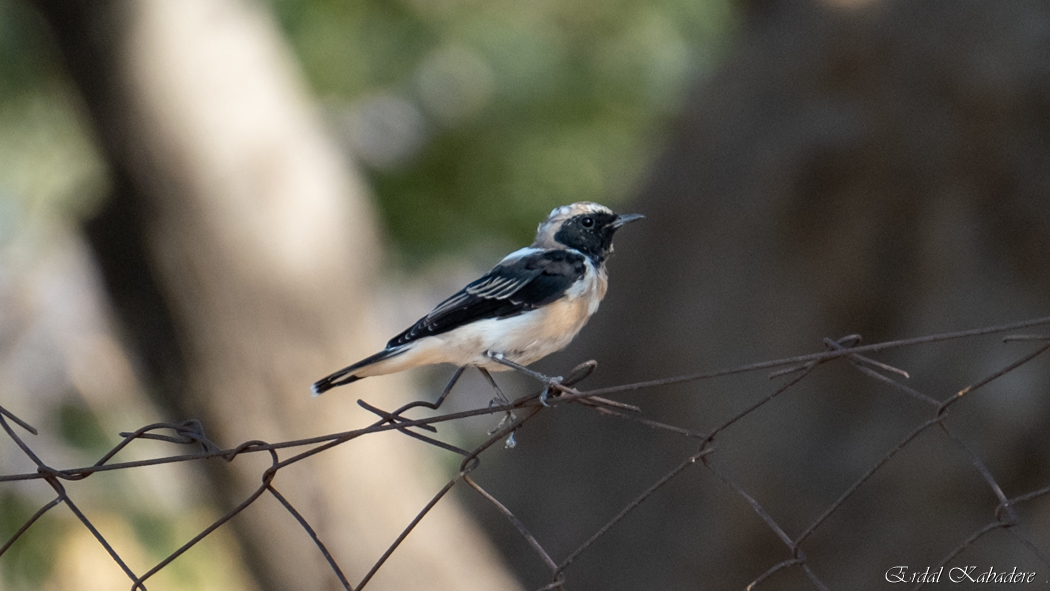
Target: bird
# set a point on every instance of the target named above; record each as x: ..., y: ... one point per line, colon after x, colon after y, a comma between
x: 531, y: 304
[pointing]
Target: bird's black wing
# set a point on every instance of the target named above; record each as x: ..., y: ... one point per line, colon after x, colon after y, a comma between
x: 510, y: 288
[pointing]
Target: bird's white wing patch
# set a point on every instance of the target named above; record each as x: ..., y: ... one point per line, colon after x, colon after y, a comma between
x: 521, y: 252
x: 497, y: 287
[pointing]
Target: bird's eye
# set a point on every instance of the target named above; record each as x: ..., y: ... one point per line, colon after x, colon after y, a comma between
x: 587, y: 222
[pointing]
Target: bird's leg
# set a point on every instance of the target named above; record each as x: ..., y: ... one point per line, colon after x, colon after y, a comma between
x: 500, y: 359
x: 548, y: 380
x: 502, y: 399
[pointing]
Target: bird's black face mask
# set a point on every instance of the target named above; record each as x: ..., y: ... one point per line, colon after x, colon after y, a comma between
x: 590, y: 233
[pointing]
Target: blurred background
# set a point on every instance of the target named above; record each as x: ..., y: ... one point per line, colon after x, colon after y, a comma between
x: 206, y: 205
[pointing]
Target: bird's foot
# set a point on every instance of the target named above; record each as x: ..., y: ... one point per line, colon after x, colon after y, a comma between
x: 550, y: 390
x: 508, y: 417
x: 510, y: 442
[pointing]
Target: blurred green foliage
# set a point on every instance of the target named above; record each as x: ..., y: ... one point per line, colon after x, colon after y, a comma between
x: 474, y: 119
x: 29, y: 561
x: 49, y: 165
x: 80, y: 428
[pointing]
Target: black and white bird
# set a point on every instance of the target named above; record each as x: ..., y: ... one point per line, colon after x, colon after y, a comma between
x: 528, y: 306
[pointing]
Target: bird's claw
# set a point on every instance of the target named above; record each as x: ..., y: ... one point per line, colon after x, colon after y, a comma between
x: 508, y: 416
x: 549, y: 389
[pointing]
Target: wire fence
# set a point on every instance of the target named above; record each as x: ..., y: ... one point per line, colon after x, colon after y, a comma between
x: 790, y: 372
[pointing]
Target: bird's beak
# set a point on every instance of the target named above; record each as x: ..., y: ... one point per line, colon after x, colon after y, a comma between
x: 624, y: 219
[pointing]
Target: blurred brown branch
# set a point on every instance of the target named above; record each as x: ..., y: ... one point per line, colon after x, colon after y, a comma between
x: 240, y: 252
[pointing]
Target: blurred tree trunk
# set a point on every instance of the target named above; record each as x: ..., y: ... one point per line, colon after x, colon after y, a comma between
x: 880, y: 168
x: 240, y: 253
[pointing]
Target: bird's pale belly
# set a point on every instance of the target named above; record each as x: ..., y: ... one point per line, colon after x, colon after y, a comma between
x: 523, y: 339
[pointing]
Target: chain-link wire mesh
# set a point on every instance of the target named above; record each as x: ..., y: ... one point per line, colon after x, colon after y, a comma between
x: 1005, y: 514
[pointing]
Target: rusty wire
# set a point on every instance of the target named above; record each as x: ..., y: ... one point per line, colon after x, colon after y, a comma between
x: 528, y: 408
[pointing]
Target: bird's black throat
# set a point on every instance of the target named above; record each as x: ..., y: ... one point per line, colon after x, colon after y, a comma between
x: 591, y: 234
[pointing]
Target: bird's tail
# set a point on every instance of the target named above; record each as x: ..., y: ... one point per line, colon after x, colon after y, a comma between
x: 346, y: 375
